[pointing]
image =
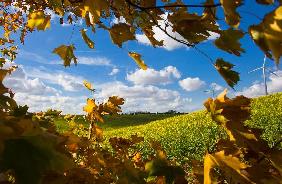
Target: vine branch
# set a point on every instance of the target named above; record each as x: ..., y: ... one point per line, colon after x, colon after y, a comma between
x: 173, y: 6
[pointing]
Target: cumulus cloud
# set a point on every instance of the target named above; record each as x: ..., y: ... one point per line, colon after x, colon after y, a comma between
x: 151, y: 76
x: 191, y: 84
x: 19, y: 82
x: 146, y: 98
x: 169, y: 43
x: 274, y: 84
x: 39, y: 95
x: 67, y: 81
x: 36, y: 103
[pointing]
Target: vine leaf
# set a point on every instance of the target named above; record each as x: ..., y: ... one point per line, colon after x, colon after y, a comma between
x: 229, y: 41
x: 121, y: 33
x: 137, y: 58
x: 38, y: 20
x: 92, y: 110
x: 95, y: 8
x: 112, y: 106
x: 194, y: 28
x: 38, y: 150
x: 225, y: 69
x: 87, y: 40
x: 232, y: 17
x: 268, y: 34
x: 230, y: 165
x: 66, y: 54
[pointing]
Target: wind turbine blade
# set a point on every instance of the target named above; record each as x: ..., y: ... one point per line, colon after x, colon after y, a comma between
x: 272, y: 72
x: 255, y: 69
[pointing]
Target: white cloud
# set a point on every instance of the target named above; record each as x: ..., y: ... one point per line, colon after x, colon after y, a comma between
x: 19, y: 82
x: 274, y: 84
x: 96, y: 61
x: 114, y: 71
x: 146, y: 98
x: 38, y: 95
x: 191, y: 84
x: 67, y: 81
x: 169, y: 43
x: 151, y: 76
x: 36, y: 103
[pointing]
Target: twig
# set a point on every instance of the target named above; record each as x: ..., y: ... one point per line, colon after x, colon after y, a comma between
x: 174, y: 6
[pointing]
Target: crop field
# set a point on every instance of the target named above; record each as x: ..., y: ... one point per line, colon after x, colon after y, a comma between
x: 188, y: 136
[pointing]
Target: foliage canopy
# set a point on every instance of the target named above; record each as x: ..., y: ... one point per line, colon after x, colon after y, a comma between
x: 67, y: 158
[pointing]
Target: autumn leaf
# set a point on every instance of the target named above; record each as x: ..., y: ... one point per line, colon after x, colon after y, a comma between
x: 112, y: 106
x: 268, y: 34
x: 95, y: 8
x: 230, y: 165
x: 121, y: 33
x: 90, y: 106
x: 88, y: 85
x: 66, y: 54
x: 225, y: 69
x: 87, y: 40
x: 192, y: 27
x: 229, y: 41
x: 38, y: 20
x: 148, y: 3
x: 137, y: 58
x: 232, y: 17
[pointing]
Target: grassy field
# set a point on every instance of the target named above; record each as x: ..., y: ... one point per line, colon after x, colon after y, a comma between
x: 189, y: 136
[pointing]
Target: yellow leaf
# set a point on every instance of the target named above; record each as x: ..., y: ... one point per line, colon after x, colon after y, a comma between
x: 121, y: 33
x: 87, y: 40
x: 90, y: 107
x: 38, y: 20
x: 229, y: 41
x: 230, y: 165
x: 137, y: 58
x: 88, y: 85
x: 268, y: 34
x: 95, y: 8
x: 66, y: 54
x: 231, y: 16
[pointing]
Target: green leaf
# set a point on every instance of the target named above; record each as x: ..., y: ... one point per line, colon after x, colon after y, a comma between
x: 66, y: 54
x: 225, y: 69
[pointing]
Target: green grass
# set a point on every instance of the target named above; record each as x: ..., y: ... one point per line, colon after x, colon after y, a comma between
x: 189, y: 136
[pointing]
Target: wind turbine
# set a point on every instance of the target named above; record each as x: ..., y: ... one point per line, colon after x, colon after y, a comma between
x: 264, y: 69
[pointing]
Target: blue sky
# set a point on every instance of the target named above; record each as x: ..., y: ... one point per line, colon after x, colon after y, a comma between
x: 176, y: 79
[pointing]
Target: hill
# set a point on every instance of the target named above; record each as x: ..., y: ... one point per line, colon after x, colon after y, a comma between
x: 189, y: 136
